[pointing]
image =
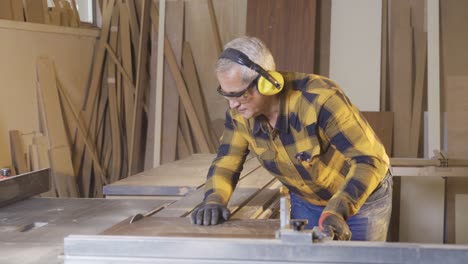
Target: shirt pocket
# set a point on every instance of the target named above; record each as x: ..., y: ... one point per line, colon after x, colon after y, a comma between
x: 308, y: 156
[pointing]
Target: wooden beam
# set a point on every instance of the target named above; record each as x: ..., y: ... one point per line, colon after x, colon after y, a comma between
x: 18, y: 154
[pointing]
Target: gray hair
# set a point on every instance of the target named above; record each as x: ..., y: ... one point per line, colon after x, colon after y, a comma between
x: 257, y: 52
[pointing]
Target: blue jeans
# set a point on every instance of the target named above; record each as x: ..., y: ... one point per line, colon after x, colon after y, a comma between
x: 369, y: 224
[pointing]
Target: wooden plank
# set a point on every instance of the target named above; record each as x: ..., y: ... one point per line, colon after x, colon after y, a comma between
x: 214, y: 27
x: 134, y: 26
x: 323, y: 48
x: 382, y: 124
x: 401, y: 74
x: 185, y: 129
x: 231, y: 17
x: 73, y: 19
x: 17, y: 10
x: 182, y: 90
x: 288, y: 29
x: 417, y: 112
x: 154, y: 148
x: 260, y: 202
x: 126, y: 50
x: 455, y: 187
x: 18, y: 154
x: 55, y: 17
x: 115, y: 135
x: 384, y: 105
x: 41, y: 143
x: 433, y: 77
x: 196, y: 95
x: 6, y: 10
x: 183, y: 150
x: 59, y: 151
x: 90, y: 107
x: 176, y: 226
x: 184, y: 206
x: 174, y: 32
x: 34, y: 11
x: 135, y: 151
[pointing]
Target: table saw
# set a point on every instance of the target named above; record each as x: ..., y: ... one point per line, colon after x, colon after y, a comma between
x: 56, y: 230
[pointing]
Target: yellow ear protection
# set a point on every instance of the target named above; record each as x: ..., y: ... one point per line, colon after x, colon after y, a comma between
x: 269, y: 83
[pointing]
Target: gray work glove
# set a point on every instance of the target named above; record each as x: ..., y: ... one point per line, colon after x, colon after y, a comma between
x: 210, y: 214
x: 334, y: 226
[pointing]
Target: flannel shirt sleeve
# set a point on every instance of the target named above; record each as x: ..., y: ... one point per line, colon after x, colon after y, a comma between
x: 225, y: 170
x: 345, y: 129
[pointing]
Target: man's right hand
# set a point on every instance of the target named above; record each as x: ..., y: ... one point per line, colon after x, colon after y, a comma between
x: 210, y: 214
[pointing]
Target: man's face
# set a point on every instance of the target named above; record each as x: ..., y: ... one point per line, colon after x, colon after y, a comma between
x: 250, y: 103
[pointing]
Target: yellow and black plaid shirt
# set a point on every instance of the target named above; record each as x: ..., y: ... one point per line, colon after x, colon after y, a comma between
x: 321, y: 148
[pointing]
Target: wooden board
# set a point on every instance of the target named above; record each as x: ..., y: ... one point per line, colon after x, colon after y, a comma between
x: 6, y: 10
x: 382, y: 124
x: 34, y: 10
x: 59, y: 151
x: 231, y: 17
x: 176, y: 226
x: 19, y: 157
x: 401, y: 74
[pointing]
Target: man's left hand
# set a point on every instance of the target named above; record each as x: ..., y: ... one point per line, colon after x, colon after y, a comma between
x: 334, y: 226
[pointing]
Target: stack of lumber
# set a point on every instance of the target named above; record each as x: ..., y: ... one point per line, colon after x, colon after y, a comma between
x: 63, y: 12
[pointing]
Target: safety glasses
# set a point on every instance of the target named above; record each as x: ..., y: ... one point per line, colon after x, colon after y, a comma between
x: 240, y: 93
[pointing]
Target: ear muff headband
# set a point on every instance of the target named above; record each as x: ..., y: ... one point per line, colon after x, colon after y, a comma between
x: 269, y: 83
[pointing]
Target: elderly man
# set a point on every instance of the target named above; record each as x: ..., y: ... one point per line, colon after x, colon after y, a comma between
x: 306, y: 133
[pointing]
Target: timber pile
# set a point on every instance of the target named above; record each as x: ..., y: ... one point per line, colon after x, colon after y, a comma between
x: 63, y: 13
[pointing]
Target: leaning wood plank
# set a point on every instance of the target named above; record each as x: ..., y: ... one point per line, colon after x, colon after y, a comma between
x: 126, y: 50
x: 174, y: 28
x: 214, y: 27
x: 401, y: 74
x: 182, y: 89
x: 134, y: 27
x: 384, y: 58
x: 141, y: 84
x: 113, y: 108
x: 17, y: 9
x: 185, y: 129
x: 34, y: 11
x: 196, y: 94
x: 59, y: 151
x: 6, y: 10
x: 433, y: 76
x: 18, y: 154
x: 73, y: 20
x: 417, y: 112
x: 90, y: 103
